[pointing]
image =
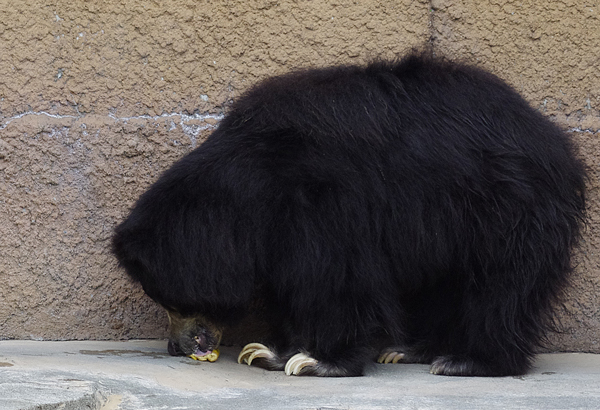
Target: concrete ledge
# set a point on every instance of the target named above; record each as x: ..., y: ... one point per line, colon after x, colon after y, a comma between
x: 141, y: 375
x: 43, y: 391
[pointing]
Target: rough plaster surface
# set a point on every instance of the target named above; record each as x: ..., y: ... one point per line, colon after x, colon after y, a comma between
x: 549, y: 51
x: 149, y: 57
x: 97, y: 98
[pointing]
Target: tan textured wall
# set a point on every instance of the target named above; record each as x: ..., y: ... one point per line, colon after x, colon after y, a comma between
x: 548, y: 50
x: 98, y: 97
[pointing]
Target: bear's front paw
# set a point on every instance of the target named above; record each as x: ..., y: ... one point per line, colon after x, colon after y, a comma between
x: 253, y: 350
x: 261, y: 356
x: 299, y: 364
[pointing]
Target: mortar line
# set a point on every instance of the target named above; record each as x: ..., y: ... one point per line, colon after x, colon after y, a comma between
x: 27, y: 113
x: 192, y: 131
x: 184, y: 118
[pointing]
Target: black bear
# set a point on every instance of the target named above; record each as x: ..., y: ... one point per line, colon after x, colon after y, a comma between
x: 420, y: 203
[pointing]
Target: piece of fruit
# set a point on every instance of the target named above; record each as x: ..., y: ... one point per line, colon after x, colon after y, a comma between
x: 210, y: 356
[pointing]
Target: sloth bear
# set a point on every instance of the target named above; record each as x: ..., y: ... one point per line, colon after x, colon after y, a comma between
x: 419, y: 205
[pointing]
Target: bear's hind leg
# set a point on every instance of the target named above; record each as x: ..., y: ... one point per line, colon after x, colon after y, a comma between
x: 489, y: 331
x: 496, y: 335
x: 484, y: 347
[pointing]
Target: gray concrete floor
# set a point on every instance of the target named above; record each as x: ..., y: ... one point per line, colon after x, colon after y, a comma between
x: 141, y: 375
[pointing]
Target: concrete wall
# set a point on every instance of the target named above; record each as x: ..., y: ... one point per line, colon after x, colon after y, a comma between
x: 98, y: 97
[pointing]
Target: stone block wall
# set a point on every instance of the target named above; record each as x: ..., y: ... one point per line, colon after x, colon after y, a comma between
x: 97, y: 98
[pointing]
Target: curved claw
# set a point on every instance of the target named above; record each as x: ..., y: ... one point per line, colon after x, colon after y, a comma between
x: 390, y: 357
x: 299, y: 361
x: 253, y: 350
x: 261, y: 353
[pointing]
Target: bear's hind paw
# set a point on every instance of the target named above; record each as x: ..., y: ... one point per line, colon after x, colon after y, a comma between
x: 390, y: 356
x: 465, y: 366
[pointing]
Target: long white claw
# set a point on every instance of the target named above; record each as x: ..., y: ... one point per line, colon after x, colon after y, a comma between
x: 264, y: 353
x: 298, y: 362
x: 254, y: 350
x: 390, y: 357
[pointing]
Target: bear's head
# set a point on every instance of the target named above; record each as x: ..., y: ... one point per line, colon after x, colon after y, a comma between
x: 192, y: 335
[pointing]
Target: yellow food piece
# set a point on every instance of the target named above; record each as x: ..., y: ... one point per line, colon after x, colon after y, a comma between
x: 211, y: 357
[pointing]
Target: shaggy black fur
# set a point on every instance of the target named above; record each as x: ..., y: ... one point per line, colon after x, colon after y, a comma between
x: 421, y: 200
